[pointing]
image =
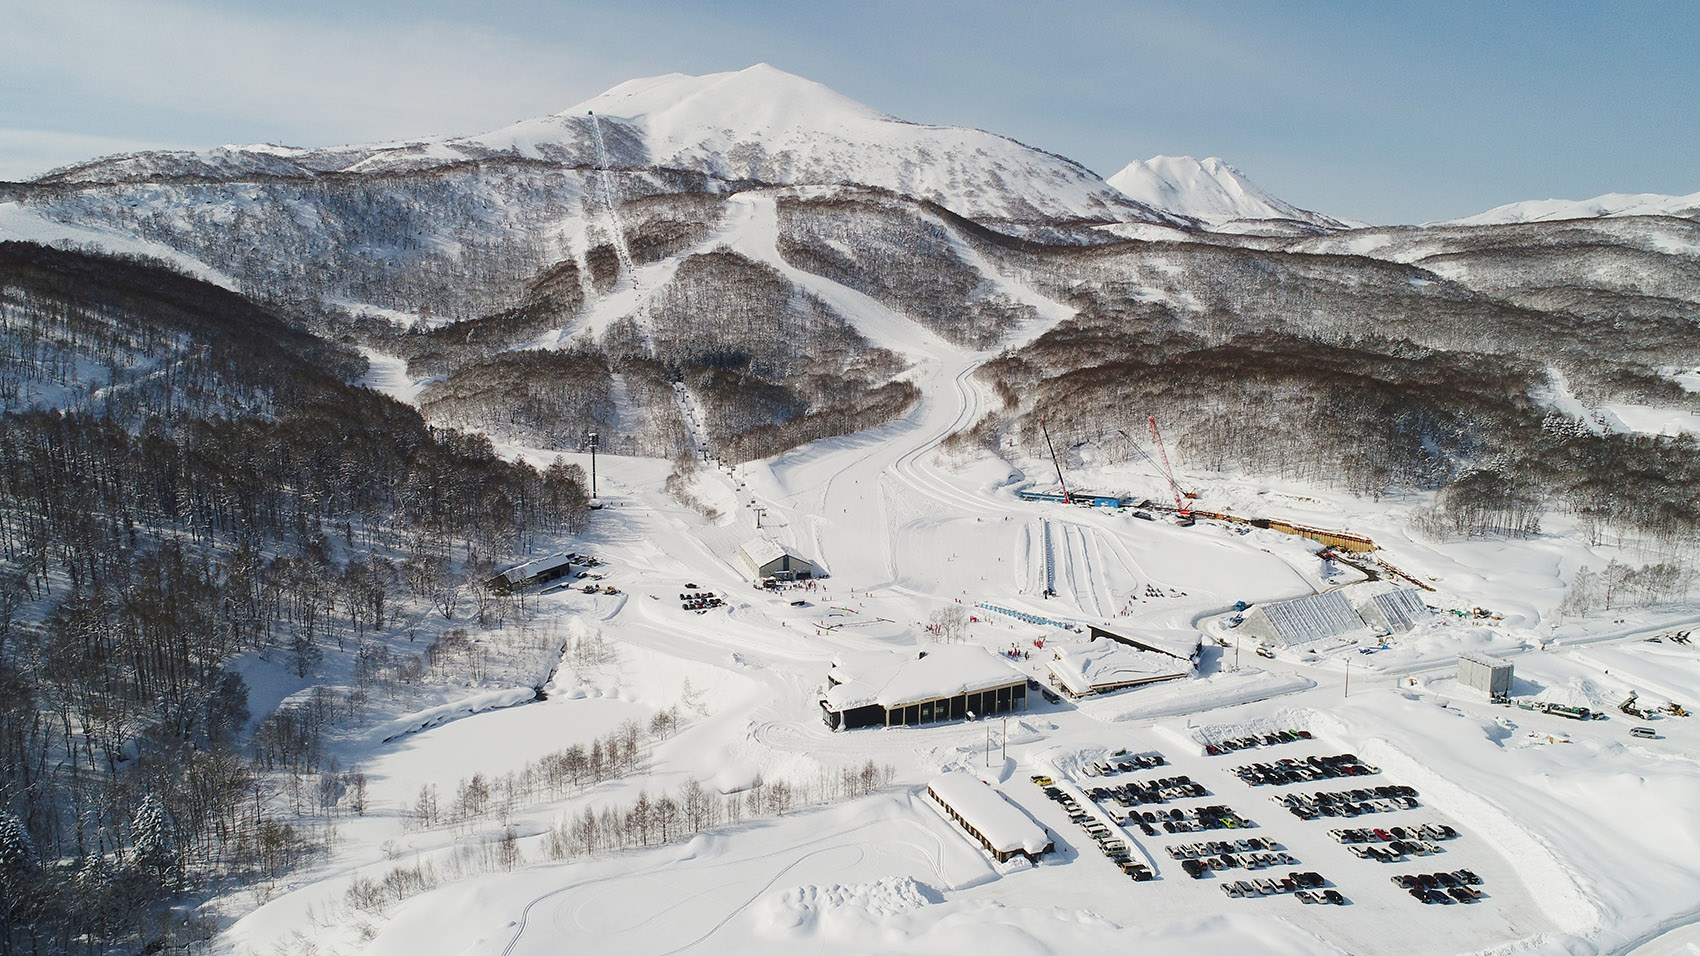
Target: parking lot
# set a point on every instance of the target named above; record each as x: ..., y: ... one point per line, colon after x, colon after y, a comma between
x: 1291, y: 825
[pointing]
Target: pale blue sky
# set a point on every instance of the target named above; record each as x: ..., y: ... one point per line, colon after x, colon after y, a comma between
x: 1376, y: 111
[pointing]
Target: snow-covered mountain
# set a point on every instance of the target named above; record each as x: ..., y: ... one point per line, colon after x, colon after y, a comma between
x: 759, y: 124
x: 1611, y: 204
x: 1209, y: 190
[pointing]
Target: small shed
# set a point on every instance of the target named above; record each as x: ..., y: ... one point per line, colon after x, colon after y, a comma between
x: 1000, y: 826
x: 765, y: 558
x: 538, y: 571
x: 1490, y: 675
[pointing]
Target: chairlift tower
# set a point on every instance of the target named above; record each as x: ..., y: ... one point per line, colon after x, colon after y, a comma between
x: 592, y: 441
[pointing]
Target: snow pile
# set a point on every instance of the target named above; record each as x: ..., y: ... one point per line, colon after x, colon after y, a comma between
x: 859, y: 911
x: 1209, y: 190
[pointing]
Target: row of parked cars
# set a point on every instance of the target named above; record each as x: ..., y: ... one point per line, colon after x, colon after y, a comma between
x: 1136, y: 793
x: 1310, y: 769
x: 1349, y: 803
x: 1124, y: 762
x: 1229, y: 745
x: 1200, y: 867
x: 1112, y: 846
x: 1216, y: 817
x: 1458, y: 886
x: 699, y: 600
x: 1305, y: 887
x: 1432, y: 832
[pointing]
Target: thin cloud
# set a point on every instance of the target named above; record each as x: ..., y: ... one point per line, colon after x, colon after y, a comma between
x: 288, y: 79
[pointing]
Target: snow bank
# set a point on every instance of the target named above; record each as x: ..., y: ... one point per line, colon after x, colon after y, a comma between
x: 436, y: 716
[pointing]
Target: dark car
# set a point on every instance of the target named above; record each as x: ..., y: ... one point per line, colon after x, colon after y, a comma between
x: 1333, y: 896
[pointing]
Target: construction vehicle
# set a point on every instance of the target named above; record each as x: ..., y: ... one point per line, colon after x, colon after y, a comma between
x: 1628, y: 706
x: 1574, y: 713
x: 1675, y: 709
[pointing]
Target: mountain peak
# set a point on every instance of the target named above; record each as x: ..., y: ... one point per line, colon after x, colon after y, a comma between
x: 1207, y: 189
x: 759, y: 96
x: 1611, y: 204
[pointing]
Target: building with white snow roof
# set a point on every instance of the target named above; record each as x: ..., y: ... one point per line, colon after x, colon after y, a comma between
x: 1000, y: 826
x: 1104, y: 666
x: 883, y: 688
x: 765, y: 558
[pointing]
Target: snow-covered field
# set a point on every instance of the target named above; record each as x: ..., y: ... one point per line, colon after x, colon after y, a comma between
x: 1585, y: 837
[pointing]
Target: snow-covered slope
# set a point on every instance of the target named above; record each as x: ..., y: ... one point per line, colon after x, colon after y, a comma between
x: 759, y: 124
x: 1209, y: 190
x: 1611, y: 204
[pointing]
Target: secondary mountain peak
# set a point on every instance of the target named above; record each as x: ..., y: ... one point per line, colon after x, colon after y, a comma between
x: 1599, y: 207
x: 1210, y: 190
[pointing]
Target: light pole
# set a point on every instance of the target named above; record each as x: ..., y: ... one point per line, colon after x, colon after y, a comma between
x: 1348, y: 692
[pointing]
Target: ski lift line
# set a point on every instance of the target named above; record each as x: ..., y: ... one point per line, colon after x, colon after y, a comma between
x: 602, y: 178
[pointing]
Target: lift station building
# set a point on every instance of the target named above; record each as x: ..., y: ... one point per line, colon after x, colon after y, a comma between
x: 764, y: 558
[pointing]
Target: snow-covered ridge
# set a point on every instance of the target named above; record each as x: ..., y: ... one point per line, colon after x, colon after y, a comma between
x: 759, y: 124
x: 1611, y: 204
x: 1209, y: 190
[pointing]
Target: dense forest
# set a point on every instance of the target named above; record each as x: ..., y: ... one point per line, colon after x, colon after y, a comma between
x: 185, y: 478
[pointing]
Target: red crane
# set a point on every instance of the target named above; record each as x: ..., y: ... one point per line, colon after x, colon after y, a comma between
x: 1181, y: 503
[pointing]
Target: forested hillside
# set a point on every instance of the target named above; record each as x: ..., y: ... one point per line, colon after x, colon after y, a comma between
x: 184, y: 478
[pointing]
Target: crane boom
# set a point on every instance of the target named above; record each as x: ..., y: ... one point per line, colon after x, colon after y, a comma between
x: 1181, y: 504
x: 1054, y: 462
x: 1162, y: 469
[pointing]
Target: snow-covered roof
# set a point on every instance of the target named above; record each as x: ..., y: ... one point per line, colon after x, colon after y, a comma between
x: 1175, y: 642
x: 1483, y: 660
x: 894, y: 679
x: 1105, y: 665
x: 1005, y: 826
x: 759, y: 551
x: 531, y: 569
